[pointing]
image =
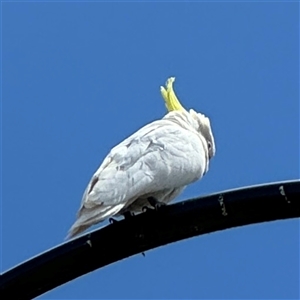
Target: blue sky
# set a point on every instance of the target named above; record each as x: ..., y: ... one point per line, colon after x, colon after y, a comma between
x: 78, y: 78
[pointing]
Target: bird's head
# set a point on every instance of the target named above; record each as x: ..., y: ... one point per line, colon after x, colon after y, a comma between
x: 205, y: 129
x: 201, y: 122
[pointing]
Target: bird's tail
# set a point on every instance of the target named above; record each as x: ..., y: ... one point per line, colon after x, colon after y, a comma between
x: 75, y: 230
x: 91, y: 216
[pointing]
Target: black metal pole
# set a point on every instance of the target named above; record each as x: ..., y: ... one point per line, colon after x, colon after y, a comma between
x: 152, y: 229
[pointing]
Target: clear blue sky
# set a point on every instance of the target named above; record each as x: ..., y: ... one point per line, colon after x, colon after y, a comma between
x: 78, y: 78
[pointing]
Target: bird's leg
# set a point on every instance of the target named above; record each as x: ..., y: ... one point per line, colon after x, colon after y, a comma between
x: 155, y: 203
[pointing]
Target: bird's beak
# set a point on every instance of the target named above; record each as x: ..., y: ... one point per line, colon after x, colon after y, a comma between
x: 171, y: 101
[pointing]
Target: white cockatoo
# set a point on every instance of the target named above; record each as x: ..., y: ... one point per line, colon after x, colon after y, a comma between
x: 152, y: 166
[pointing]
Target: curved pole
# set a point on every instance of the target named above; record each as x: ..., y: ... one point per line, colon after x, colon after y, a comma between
x: 149, y: 230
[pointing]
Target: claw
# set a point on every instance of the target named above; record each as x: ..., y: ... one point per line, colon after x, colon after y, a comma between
x: 155, y: 203
x: 159, y: 205
x: 112, y: 221
x: 146, y: 208
x: 128, y: 215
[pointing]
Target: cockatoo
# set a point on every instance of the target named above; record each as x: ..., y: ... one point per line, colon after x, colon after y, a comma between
x: 150, y: 167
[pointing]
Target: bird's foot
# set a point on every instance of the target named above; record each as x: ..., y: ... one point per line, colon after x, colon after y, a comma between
x: 155, y: 203
x: 112, y: 221
x: 146, y: 208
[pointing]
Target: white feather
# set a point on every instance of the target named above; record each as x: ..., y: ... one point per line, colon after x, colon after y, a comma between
x: 158, y: 160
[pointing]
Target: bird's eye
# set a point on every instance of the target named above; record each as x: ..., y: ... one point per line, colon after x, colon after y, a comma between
x: 209, y: 145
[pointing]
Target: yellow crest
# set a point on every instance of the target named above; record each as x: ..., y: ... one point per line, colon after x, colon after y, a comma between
x: 171, y: 101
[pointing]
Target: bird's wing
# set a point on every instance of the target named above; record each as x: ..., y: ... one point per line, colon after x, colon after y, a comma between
x: 159, y: 156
